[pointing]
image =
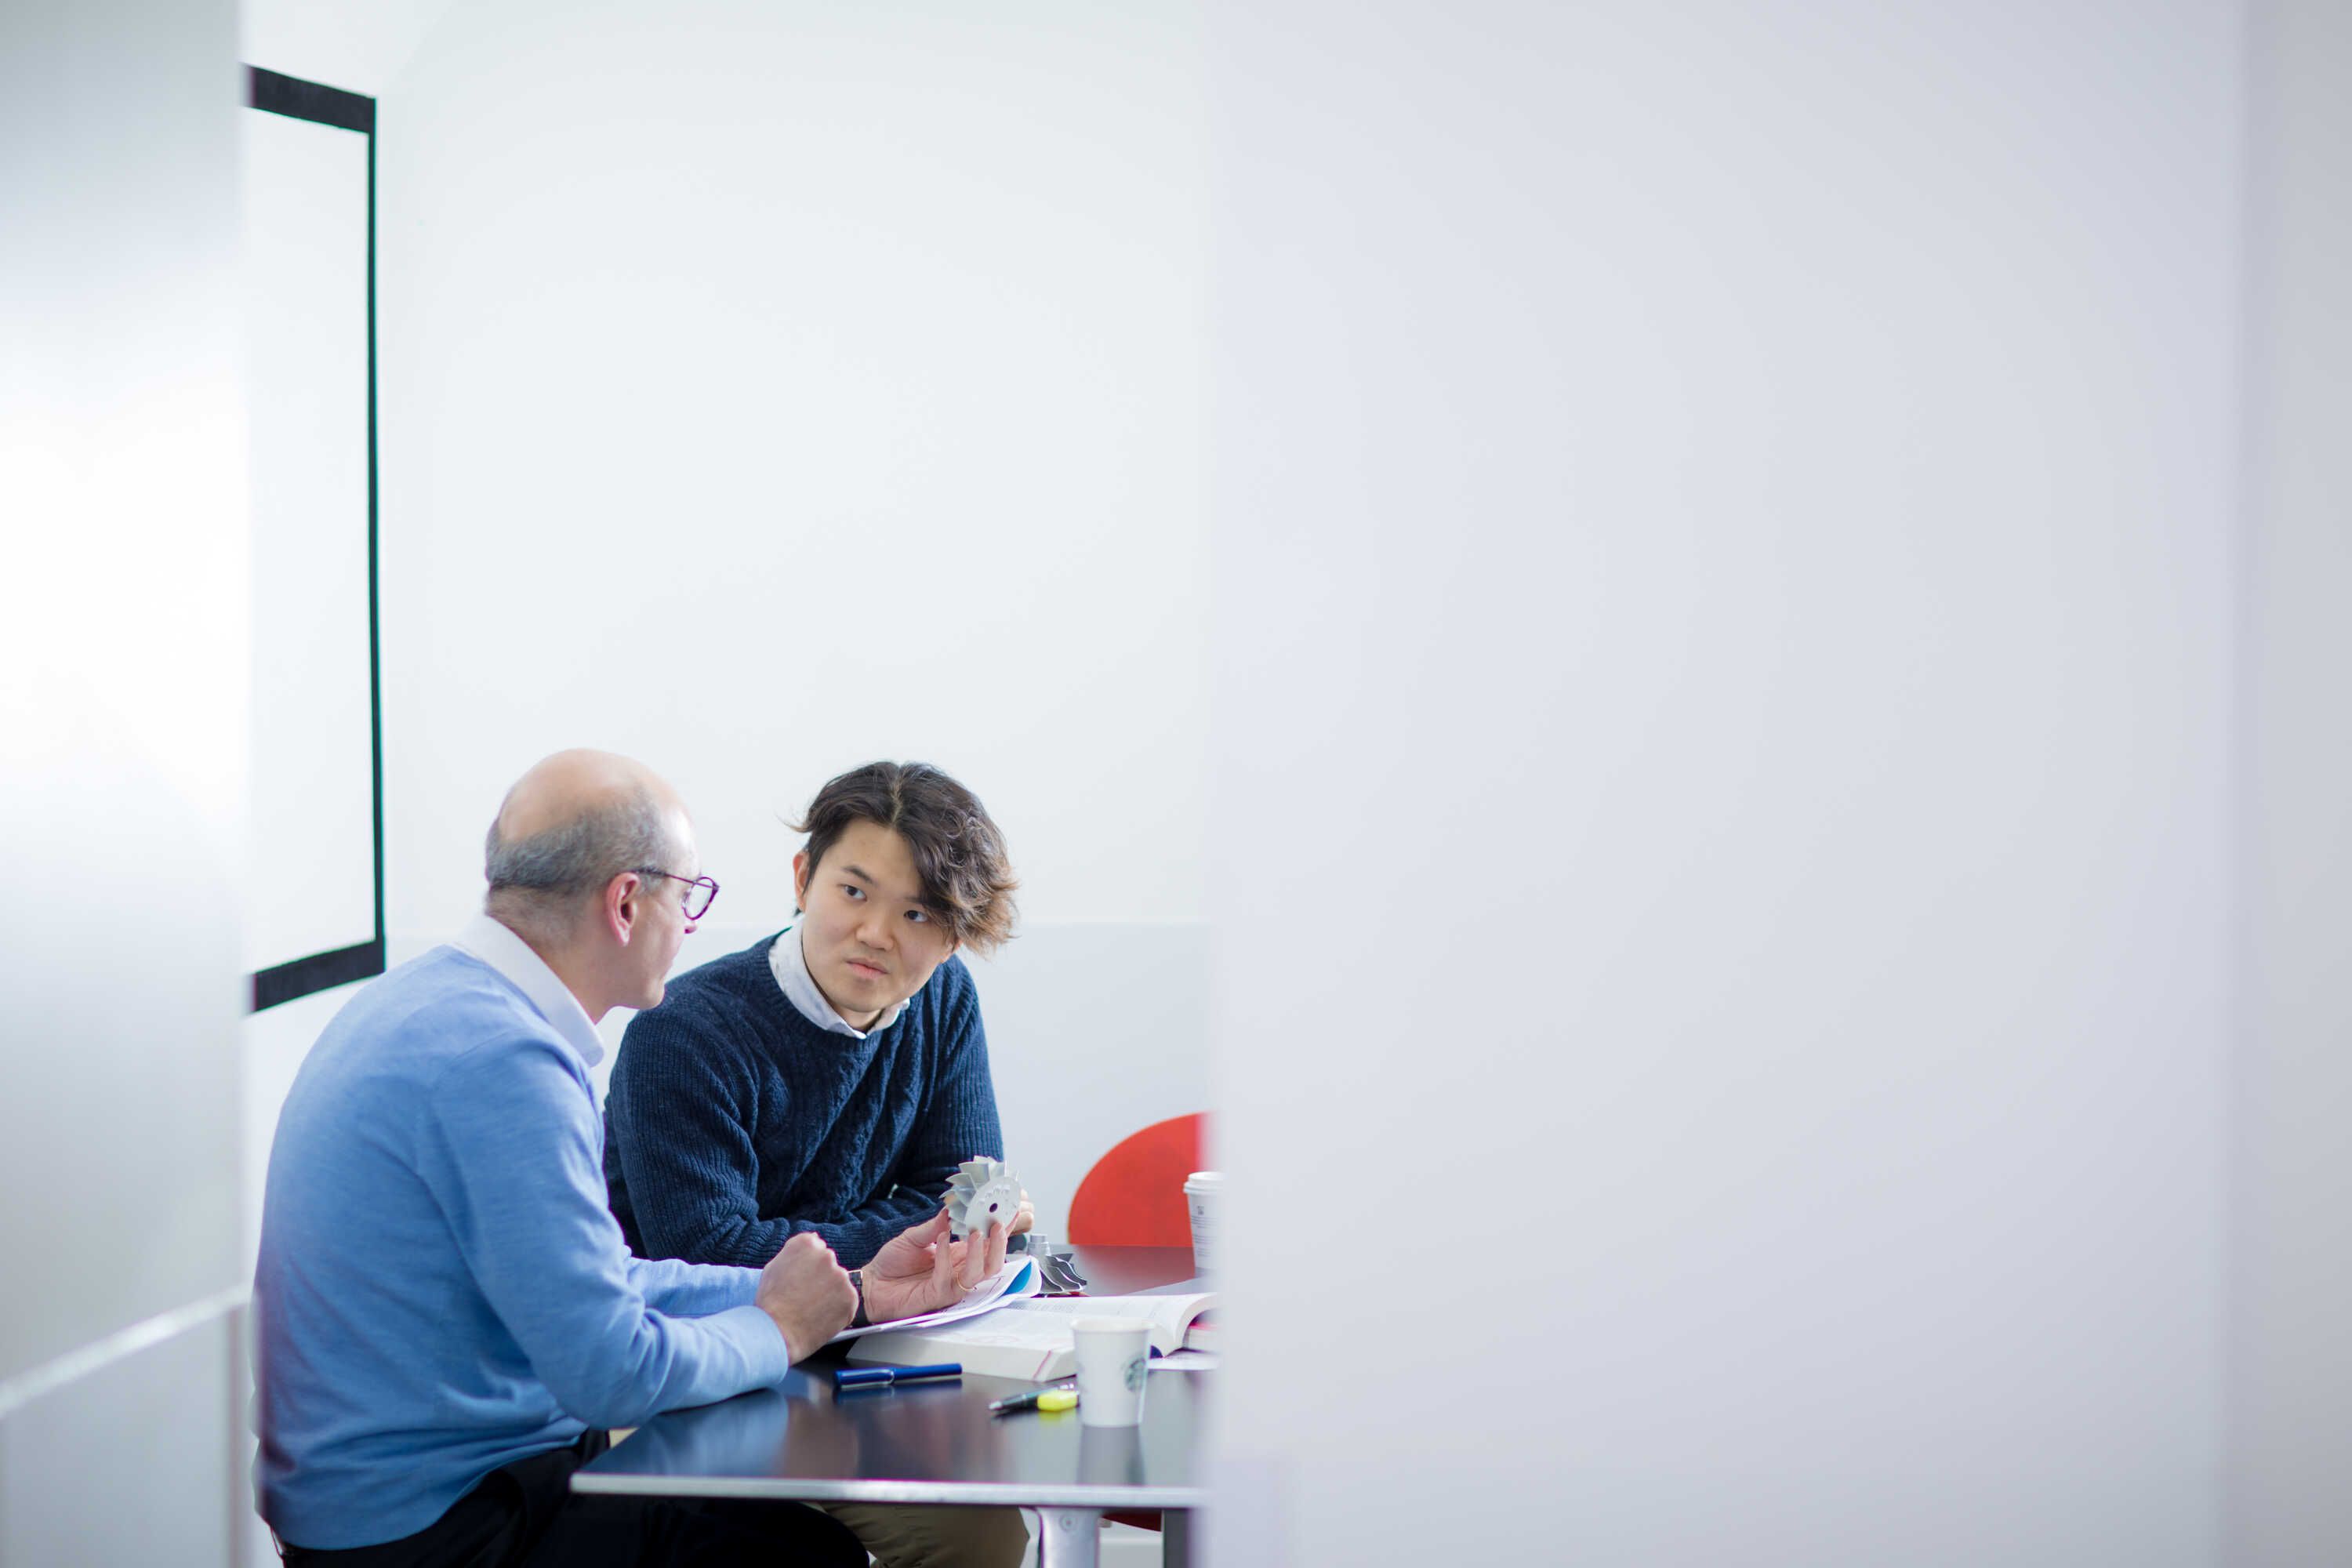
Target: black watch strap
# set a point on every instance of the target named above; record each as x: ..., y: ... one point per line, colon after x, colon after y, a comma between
x: 858, y: 1282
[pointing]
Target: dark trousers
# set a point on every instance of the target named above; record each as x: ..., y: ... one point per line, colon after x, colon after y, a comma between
x: 527, y: 1516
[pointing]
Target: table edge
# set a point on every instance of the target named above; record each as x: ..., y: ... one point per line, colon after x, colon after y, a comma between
x: 848, y: 1489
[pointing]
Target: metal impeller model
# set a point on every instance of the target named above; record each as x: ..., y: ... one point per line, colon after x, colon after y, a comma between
x: 983, y: 1193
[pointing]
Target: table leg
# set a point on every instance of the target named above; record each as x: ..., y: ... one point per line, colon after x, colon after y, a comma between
x: 1176, y: 1538
x: 1069, y: 1537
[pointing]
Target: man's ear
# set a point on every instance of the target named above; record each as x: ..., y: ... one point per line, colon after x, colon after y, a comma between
x: 800, y: 869
x: 620, y: 909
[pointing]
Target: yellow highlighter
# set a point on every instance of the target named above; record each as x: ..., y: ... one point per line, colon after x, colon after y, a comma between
x: 1043, y: 1399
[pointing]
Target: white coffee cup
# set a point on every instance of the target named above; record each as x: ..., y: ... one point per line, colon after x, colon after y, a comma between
x: 1201, y: 1190
x: 1114, y: 1365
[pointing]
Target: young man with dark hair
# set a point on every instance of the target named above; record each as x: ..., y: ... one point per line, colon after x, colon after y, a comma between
x: 830, y: 1079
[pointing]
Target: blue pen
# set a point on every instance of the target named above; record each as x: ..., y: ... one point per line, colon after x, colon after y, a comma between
x: 884, y: 1376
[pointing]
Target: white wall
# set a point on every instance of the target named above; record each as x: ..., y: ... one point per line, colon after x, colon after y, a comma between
x: 358, y: 47
x: 770, y: 388
x: 122, y: 665
x: 2292, y: 1366
x: 1725, y: 515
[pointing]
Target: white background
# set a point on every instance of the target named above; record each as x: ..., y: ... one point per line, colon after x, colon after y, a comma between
x: 773, y: 398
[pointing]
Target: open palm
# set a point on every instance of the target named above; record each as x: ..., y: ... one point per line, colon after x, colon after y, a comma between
x: 921, y: 1270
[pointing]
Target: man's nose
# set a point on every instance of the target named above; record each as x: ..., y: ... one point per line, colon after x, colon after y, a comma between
x: 874, y: 930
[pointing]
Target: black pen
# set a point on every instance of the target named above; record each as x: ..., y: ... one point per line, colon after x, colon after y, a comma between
x: 884, y: 1376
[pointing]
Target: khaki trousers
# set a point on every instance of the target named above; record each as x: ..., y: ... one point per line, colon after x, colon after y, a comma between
x: 934, y: 1535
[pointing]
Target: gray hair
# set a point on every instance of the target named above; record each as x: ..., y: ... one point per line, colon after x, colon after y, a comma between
x: 533, y: 880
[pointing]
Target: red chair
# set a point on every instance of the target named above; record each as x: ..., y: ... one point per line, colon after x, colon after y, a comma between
x: 1134, y: 1196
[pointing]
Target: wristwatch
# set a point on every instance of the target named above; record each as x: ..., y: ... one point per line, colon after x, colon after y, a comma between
x: 858, y: 1283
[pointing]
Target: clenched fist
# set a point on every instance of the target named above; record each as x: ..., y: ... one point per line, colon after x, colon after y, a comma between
x: 807, y: 1292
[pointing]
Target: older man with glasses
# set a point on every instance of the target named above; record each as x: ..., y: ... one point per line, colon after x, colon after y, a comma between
x: 447, y: 1318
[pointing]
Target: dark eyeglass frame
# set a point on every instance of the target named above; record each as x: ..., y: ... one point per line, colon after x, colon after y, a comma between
x: 709, y: 888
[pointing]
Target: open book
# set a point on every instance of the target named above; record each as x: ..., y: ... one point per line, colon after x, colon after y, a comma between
x: 1030, y: 1338
x: 1017, y: 1279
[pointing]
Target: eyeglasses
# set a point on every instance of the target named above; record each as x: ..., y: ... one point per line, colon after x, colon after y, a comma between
x: 699, y: 890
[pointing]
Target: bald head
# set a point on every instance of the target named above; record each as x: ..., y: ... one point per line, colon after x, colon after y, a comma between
x: 570, y: 785
x: 571, y: 823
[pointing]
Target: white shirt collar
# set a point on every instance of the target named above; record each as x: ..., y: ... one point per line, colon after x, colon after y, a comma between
x: 789, y: 966
x: 495, y: 945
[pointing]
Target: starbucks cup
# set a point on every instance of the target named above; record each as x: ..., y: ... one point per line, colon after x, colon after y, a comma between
x: 1202, y: 1189
x: 1110, y: 1456
x: 1114, y: 1363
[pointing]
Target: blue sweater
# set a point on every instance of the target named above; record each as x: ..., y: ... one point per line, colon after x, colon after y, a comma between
x: 732, y: 1121
x: 441, y: 1289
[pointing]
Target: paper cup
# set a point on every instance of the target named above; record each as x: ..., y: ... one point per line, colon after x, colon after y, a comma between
x: 1201, y: 1193
x: 1110, y: 1456
x: 1114, y: 1365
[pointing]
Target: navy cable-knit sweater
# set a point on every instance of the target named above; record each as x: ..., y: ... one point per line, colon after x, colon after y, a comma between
x: 734, y: 1121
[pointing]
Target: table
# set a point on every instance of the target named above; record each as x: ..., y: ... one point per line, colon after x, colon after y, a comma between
x: 936, y: 1443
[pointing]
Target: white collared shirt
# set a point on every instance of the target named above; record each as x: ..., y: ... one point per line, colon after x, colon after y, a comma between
x: 789, y: 966
x: 495, y: 945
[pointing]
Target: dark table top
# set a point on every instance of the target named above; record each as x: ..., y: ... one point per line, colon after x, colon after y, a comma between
x: 930, y: 1442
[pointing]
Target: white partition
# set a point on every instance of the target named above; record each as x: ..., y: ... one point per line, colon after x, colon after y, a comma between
x: 122, y: 733
x: 1728, y: 542
x: 2290, y: 1362
x: 122, y: 706
x: 138, y: 1461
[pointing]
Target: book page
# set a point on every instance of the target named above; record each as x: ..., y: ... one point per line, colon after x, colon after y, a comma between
x: 1031, y: 1337
x: 1026, y: 1330
x: 1017, y: 1279
x: 1167, y: 1315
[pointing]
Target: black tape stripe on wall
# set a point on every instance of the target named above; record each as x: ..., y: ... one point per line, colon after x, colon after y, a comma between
x: 273, y: 93
x: 319, y: 972
x: 298, y: 99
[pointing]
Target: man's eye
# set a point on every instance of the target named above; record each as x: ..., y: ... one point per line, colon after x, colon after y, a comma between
x: 918, y: 917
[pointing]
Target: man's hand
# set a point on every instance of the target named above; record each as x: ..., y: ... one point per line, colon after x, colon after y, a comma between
x: 807, y: 1292
x: 920, y: 1271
